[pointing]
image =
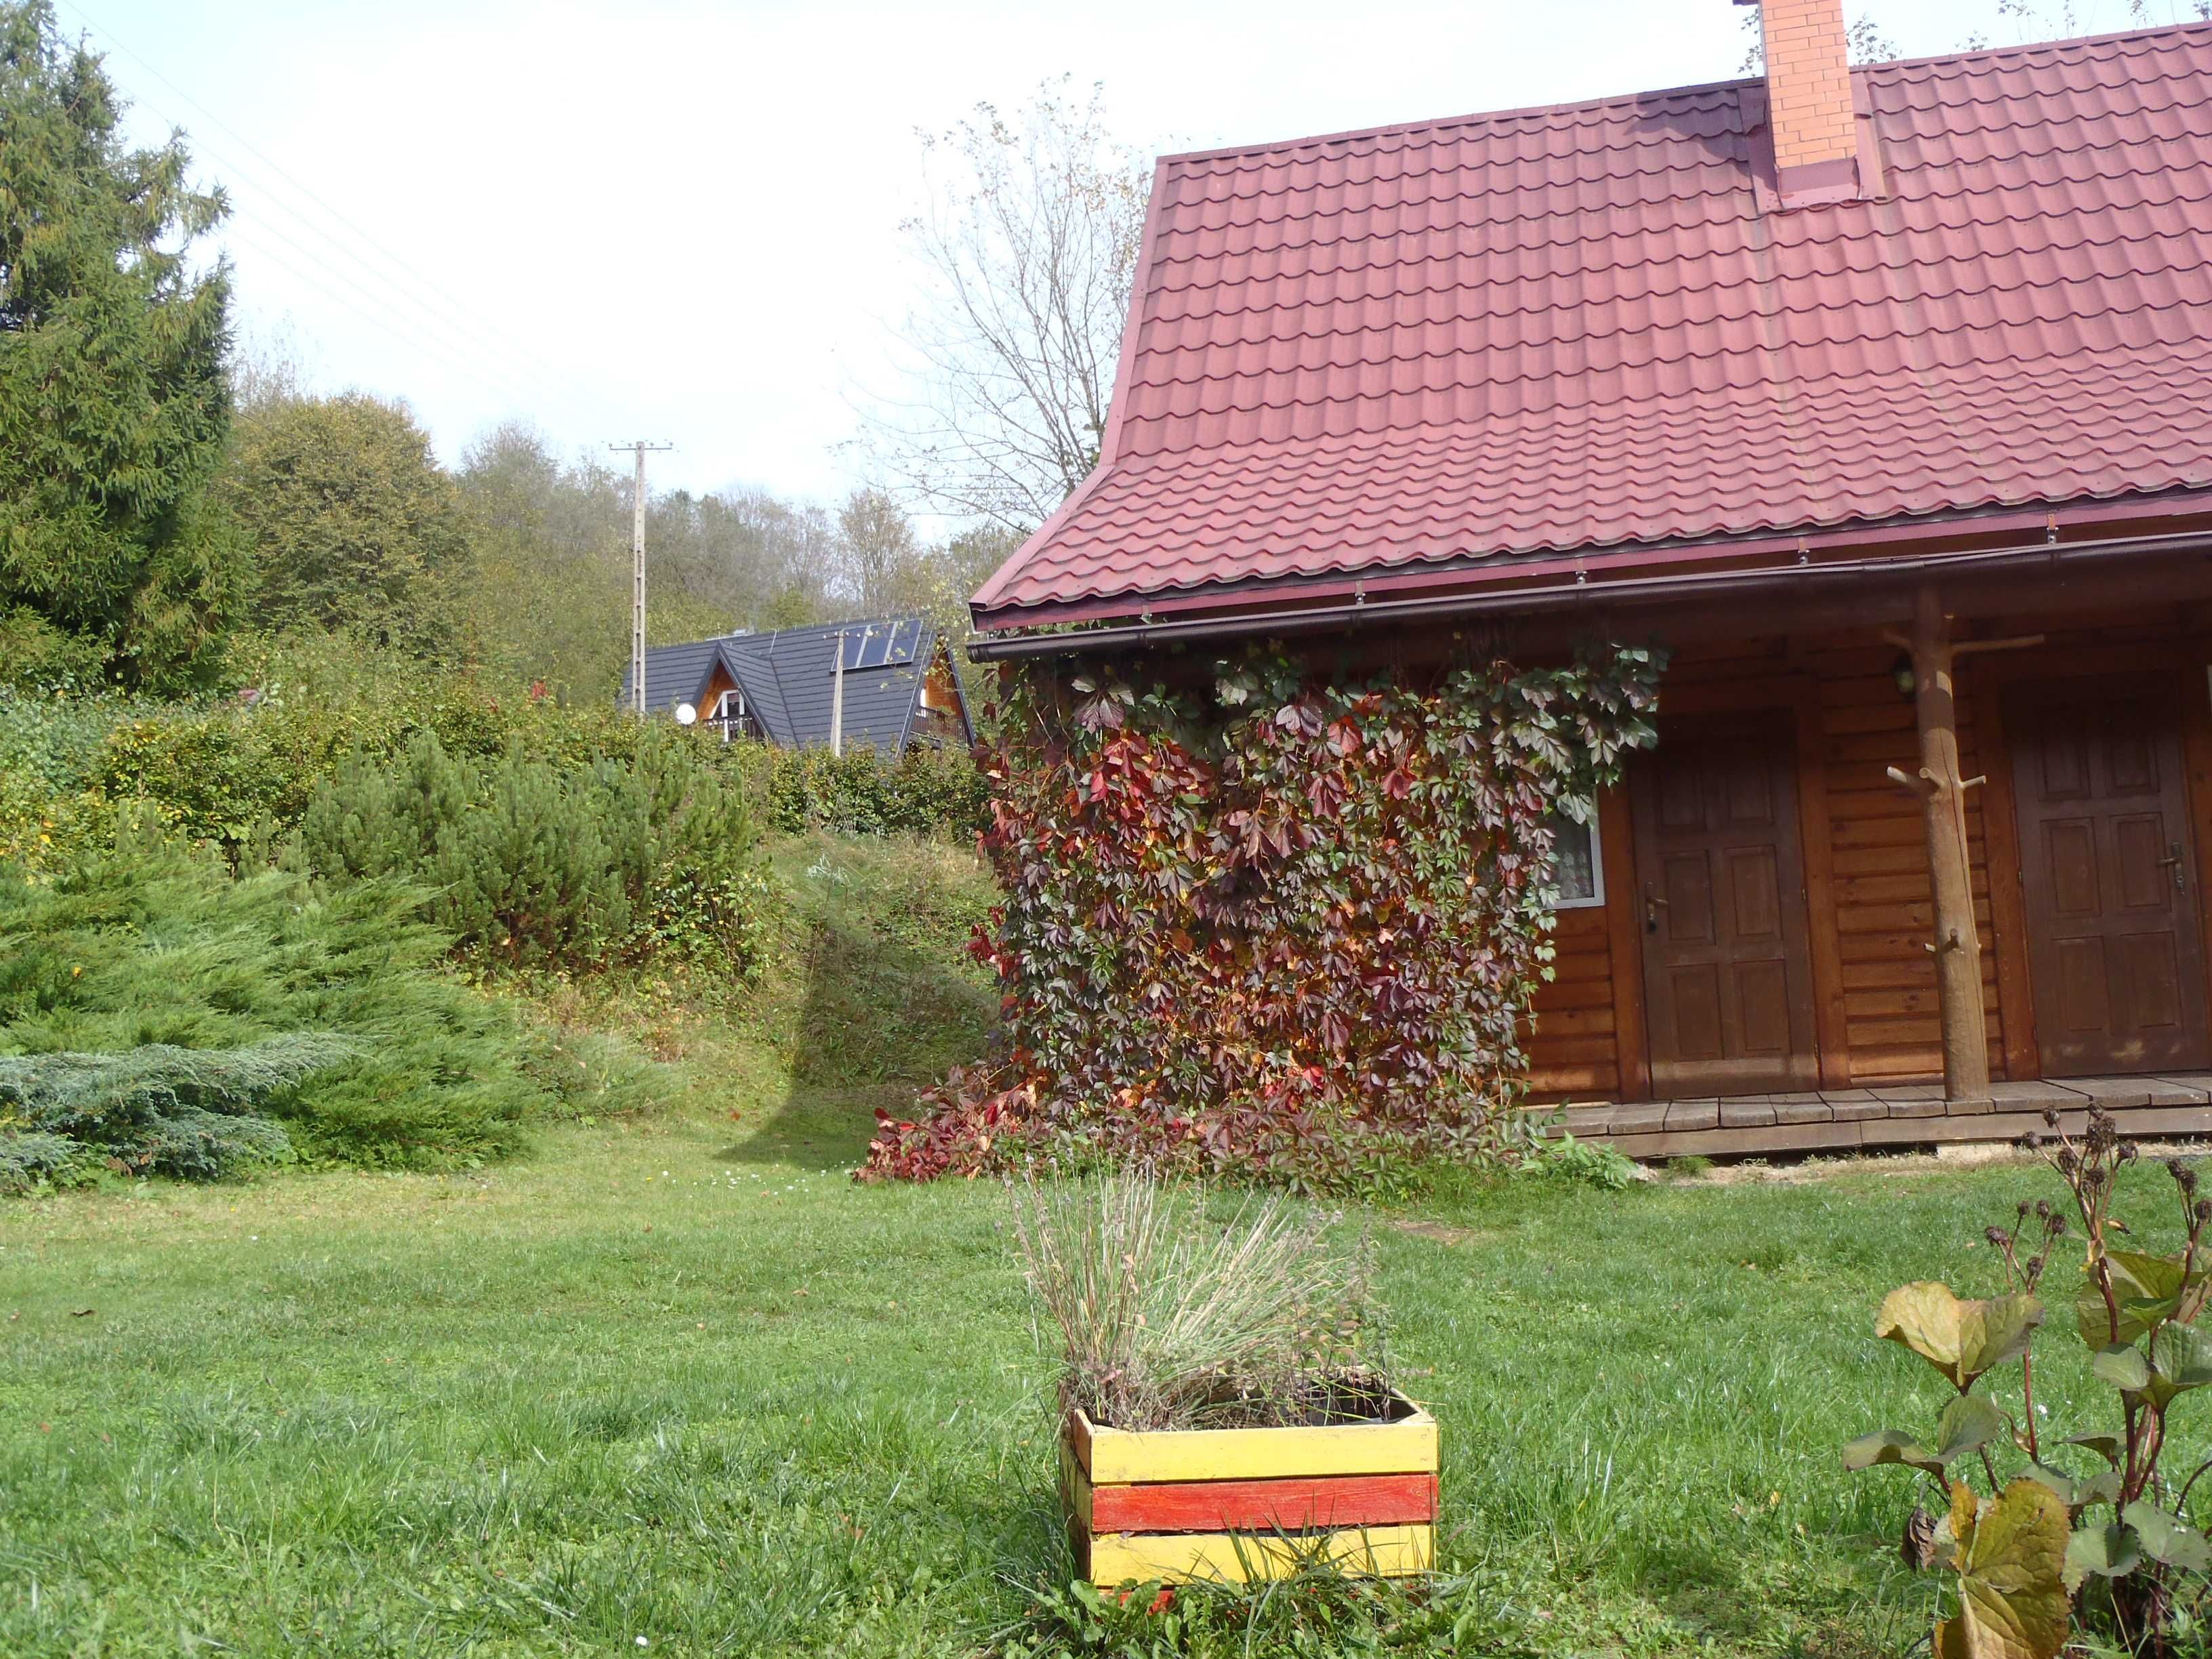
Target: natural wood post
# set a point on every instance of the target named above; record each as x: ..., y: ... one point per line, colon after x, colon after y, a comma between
x: 1943, y: 791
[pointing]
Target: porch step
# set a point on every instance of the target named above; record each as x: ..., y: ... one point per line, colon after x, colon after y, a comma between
x: 1889, y: 1115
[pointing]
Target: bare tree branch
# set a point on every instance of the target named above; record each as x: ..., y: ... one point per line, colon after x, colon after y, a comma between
x: 1031, y: 243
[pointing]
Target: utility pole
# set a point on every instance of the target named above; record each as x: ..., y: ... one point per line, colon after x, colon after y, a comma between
x: 639, y: 448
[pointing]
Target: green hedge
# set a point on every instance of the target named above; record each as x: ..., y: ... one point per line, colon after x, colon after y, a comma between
x: 924, y: 792
x: 531, y: 862
x: 243, y: 768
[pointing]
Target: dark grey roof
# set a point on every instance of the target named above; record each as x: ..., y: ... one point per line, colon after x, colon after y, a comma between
x: 789, y: 684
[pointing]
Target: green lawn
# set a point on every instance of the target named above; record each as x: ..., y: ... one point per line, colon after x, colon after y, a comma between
x: 660, y: 1384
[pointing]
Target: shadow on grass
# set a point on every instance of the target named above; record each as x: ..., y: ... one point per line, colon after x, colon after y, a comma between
x: 818, y: 1128
x: 882, y: 1000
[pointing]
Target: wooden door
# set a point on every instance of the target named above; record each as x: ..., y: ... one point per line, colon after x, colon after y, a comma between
x: 2115, y: 951
x: 1721, y: 901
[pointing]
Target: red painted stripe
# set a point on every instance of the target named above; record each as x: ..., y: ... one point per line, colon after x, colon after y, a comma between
x: 1290, y: 1505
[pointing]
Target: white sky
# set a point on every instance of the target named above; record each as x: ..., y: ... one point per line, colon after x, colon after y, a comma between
x: 679, y: 221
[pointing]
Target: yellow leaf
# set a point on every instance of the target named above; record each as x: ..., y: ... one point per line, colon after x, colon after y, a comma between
x: 1960, y: 1339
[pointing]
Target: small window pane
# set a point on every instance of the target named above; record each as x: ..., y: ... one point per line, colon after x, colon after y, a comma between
x: 1574, y: 847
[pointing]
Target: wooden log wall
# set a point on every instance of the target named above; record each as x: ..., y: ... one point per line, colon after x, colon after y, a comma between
x: 1878, y: 874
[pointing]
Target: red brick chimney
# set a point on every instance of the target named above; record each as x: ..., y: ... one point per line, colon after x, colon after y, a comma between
x: 1808, y: 98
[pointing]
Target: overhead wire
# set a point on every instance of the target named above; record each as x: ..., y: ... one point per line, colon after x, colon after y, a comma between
x: 439, y: 323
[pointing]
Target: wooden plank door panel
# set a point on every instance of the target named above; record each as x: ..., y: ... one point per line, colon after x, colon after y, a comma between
x: 2115, y: 944
x: 1727, y: 969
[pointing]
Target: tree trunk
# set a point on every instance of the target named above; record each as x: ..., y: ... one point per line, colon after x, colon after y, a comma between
x: 1958, y: 945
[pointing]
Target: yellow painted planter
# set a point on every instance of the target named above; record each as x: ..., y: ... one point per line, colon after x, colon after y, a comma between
x: 1240, y: 1504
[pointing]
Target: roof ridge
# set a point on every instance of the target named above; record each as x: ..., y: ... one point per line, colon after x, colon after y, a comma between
x: 1480, y: 118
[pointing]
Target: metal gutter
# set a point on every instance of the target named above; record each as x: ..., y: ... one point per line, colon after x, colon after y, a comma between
x: 1580, y: 594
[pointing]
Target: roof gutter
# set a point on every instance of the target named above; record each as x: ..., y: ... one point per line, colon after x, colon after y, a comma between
x: 1577, y: 595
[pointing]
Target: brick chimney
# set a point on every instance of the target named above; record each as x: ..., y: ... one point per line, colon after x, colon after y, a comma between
x: 1808, y: 97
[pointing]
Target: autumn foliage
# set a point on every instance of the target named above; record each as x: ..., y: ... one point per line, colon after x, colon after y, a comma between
x: 1291, y: 931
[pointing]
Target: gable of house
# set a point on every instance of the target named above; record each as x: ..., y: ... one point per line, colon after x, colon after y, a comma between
x: 790, y: 682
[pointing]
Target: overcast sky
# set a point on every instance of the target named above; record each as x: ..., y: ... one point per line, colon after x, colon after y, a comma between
x: 680, y: 221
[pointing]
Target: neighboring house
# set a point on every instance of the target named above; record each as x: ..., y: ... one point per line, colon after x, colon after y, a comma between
x: 885, y: 681
x: 1879, y: 396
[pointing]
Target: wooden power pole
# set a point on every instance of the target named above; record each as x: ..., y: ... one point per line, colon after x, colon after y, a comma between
x: 1958, y: 944
x: 639, y: 448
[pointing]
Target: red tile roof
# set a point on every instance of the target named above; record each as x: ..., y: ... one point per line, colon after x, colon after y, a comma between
x: 1589, y: 327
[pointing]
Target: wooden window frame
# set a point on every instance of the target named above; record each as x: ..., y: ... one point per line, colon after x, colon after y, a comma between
x: 1596, y: 899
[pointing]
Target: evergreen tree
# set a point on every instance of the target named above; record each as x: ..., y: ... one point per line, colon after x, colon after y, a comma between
x: 114, y: 405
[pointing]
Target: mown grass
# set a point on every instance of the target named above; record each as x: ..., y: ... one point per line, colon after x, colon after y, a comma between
x: 676, y: 1378
x: 652, y: 1385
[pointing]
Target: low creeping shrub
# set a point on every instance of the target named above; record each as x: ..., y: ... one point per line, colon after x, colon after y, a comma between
x: 2087, y: 1525
x: 162, y: 977
x: 161, y: 1110
x: 864, y: 792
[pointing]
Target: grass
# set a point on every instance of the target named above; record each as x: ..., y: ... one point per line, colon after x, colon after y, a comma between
x: 676, y: 1378
x: 661, y: 1383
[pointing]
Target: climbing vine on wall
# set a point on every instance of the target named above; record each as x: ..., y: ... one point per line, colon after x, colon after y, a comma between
x: 1289, y: 930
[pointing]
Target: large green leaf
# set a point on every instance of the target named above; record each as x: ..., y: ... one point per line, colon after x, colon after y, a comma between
x: 1960, y: 1339
x: 2110, y: 1551
x: 2012, y: 1564
x: 2147, y: 1289
x: 2168, y: 1539
x: 2124, y: 1366
x: 2101, y: 1487
x: 2181, y: 1355
x: 2107, y: 1446
x: 1890, y: 1446
x: 1967, y: 1424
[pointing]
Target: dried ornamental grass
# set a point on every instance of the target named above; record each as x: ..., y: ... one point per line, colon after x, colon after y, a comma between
x: 1167, y: 1321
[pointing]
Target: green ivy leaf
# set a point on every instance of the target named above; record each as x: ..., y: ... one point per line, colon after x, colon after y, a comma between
x: 1960, y: 1339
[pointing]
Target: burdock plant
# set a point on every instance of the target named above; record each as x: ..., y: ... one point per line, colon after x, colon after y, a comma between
x: 2105, y: 1543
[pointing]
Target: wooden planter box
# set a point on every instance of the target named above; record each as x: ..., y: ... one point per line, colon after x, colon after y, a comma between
x: 1245, y: 1503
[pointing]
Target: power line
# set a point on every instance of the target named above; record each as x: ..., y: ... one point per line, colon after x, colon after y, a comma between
x: 371, y: 307
x: 459, y: 328
x: 365, y: 240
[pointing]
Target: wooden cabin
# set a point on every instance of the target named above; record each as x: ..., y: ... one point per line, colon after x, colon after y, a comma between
x: 1875, y: 395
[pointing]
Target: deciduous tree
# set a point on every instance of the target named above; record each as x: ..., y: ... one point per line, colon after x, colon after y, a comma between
x: 1030, y: 243
x: 352, y: 522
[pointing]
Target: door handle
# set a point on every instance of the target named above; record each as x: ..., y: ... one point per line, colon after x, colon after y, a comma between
x: 2173, y: 862
x: 1652, y: 905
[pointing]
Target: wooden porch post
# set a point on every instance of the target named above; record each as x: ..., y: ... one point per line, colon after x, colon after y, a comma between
x: 1943, y: 791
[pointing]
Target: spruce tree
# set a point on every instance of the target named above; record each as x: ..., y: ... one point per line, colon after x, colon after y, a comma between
x: 113, y: 404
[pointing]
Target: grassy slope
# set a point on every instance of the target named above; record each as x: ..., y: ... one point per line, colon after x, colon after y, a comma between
x: 678, y: 1379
